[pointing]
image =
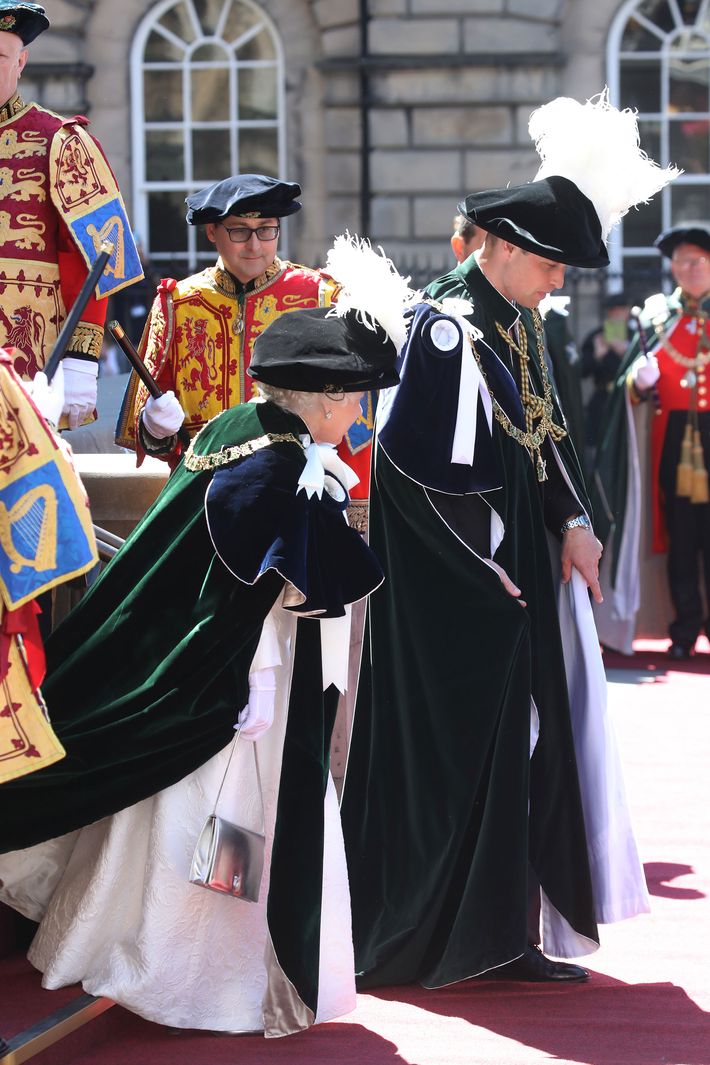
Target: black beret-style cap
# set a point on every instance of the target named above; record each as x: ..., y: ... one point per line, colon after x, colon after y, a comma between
x: 313, y: 349
x: 551, y: 218
x: 697, y: 233
x: 253, y: 195
x: 25, y: 20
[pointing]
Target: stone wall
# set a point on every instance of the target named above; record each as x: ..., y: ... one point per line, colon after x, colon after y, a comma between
x: 390, y: 119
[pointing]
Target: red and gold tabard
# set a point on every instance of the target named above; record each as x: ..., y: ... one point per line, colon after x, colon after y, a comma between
x: 46, y: 537
x: 58, y: 202
x: 683, y: 355
x: 199, y: 339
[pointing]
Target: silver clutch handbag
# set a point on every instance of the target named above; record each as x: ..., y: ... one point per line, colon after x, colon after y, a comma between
x: 229, y: 858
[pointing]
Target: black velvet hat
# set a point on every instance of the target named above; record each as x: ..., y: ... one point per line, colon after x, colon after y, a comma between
x: 312, y: 349
x: 686, y: 233
x: 25, y: 20
x: 550, y: 217
x: 251, y: 195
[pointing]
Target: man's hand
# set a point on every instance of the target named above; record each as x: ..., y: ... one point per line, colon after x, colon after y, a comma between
x: 163, y: 417
x: 645, y: 372
x: 581, y: 549
x: 510, y: 587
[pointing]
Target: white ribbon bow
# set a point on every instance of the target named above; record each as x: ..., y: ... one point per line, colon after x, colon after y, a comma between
x: 471, y: 384
x: 322, y: 458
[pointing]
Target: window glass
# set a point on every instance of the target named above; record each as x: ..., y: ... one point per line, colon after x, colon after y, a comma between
x: 164, y: 155
x: 641, y: 85
x: 208, y: 12
x: 167, y: 230
x: 688, y: 144
x: 159, y: 48
x: 668, y: 82
x: 209, y: 94
x: 179, y: 21
x: 207, y: 85
x: 241, y: 20
x: 211, y: 155
x: 688, y: 83
x: 258, y: 152
x: 257, y: 93
x: 261, y: 46
x: 689, y: 202
x: 163, y: 95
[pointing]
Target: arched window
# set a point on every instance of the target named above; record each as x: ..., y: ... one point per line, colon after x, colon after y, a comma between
x: 207, y: 102
x: 659, y: 63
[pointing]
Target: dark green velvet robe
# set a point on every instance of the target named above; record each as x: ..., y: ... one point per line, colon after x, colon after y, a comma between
x: 147, y: 675
x: 443, y: 809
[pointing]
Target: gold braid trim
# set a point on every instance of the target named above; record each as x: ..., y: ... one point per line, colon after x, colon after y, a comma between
x: 12, y: 108
x: 87, y: 339
x: 214, y: 459
x: 534, y: 406
x: 701, y: 358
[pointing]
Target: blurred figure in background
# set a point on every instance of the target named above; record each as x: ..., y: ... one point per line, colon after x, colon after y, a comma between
x: 602, y: 351
x: 466, y: 238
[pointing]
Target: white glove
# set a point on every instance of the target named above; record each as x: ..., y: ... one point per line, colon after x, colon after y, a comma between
x: 163, y: 416
x: 79, y: 389
x: 645, y: 373
x: 48, y: 398
x: 258, y: 715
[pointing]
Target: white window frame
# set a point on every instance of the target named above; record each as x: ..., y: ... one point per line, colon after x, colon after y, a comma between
x: 618, y: 253
x: 141, y: 185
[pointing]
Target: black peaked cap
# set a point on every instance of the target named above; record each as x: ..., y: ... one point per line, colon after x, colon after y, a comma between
x: 551, y: 217
x: 25, y: 20
x: 685, y: 233
x: 312, y: 349
x: 243, y: 194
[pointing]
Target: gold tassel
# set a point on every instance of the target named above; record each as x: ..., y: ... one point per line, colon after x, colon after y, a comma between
x: 699, y: 491
x: 684, y: 471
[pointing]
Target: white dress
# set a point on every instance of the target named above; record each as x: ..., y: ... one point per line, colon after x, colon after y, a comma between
x: 119, y: 916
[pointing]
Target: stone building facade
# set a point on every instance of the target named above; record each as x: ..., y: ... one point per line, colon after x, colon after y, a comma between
x: 388, y: 110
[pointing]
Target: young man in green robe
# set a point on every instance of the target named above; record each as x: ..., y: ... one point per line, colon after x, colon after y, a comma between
x: 483, y: 789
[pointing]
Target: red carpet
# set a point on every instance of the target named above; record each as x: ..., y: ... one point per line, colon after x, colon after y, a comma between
x: 651, y: 655
x: 647, y: 1003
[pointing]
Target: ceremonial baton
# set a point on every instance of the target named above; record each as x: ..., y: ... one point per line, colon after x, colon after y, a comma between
x: 122, y: 339
x: 72, y: 319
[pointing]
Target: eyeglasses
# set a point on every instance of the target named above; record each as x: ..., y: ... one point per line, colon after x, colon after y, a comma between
x: 241, y: 234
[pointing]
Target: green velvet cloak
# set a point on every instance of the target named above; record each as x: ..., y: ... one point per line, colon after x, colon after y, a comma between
x: 443, y: 808
x: 147, y: 675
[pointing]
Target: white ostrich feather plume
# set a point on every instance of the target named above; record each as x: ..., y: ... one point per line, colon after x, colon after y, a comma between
x: 371, y: 286
x: 596, y: 146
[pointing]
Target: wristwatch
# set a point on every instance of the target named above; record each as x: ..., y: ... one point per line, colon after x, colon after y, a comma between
x: 580, y: 522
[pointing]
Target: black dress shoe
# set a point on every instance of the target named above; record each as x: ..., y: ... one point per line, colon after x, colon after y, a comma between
x: 535, y: 967
x: 679, y: 651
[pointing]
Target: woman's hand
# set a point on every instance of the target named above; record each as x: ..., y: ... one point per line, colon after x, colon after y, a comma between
x: 510, y: 587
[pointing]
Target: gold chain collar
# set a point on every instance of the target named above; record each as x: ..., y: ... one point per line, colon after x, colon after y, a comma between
x: 701, y: 358
x: 534, y: 406
x: 214, y: 459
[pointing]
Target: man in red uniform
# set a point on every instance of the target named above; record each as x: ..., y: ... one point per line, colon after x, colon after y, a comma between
x: 58, y: 202
x: 200, y: 335
x: 675, y: 376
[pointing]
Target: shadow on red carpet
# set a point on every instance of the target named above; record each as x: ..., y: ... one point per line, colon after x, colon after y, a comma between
x: 602, y: 1022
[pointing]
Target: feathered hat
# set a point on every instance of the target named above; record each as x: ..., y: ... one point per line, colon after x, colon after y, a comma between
x: 592, y: 172
x: 351, y: 346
